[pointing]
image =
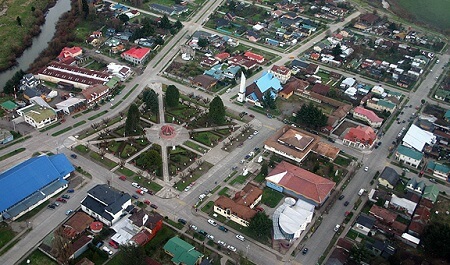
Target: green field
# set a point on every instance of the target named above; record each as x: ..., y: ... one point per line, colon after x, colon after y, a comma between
x: 432, y: 12
x: 10, y: 29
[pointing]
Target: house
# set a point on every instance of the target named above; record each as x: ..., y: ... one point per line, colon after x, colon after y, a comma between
x: 364, y: 224
x: 291, y: 218
x: 381, y: 248
x: 32, y: 182
x: 295, y: 144
x: 95, y: 93
x: 348, y: 82
x: 447, y: 116
x: 408, y: 156
x: 281, y: 72
x: 440, y: 171
x: 300, y: 183
x: 71, y: 105
x: 368, y: 116
x: 182, y: 252
x: 240, y: 208
x: 105, y: 203
x: 9, y: 106
x: 136, y: 55
x: 388, y: 178
x: 363, y: 137
x: 204, y: 81
x: 417, y: 138
x: 79, y: 77
x: 170, y: 11
x: 254, y: 57
x: 221, y: 57
x: 403, y: 206
x: 338, y: 257
x: 69, y: 53
x: 383, y: 215
x: 369, y: 19
x: 38, y: 116
x: 431, y: 193
x: 28, y: 81
x: 256, y: 91
x: 149, y: 224
x: 121, y: 71
x: 415, y: 186
x: 79, y: 246
x: 381, y: 105
x: 297, y: 85
x: 5, y: 136
x: 321, y: 89
x: 77, y: 224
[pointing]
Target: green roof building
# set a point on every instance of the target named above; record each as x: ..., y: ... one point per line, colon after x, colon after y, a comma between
x: 38, y: 116
x: 431, y: 193
x: 112, y: 83
x: 408, y: 156
x: 182, y: 252
x: 9, y: 105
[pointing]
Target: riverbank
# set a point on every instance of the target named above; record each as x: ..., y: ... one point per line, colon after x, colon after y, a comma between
x: 20, y: 21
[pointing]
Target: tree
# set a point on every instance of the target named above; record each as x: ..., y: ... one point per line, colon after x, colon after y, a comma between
x: 264, y: 169
x: 337, y: 50
x: 19, y: 21
x: 132, y: 254
x: 124, y: 18
x: 178, y: 25
x: 268, y: 100
x: 151, y: 100
x: 260, y: 225
x: 13, y: 82
x: 311, y: 116
x: 85, y: 8
x: 165, y: 23
x: 172, y: 96
x: 132, y: 122
x: 61, y: 246
x: 359, y: 253
x: 150, y: 160
x: 436, y: 240
x: 216, y: 113
x: 202, y: 42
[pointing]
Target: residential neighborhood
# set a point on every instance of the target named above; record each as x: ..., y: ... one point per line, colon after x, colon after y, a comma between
x: 228, y: 132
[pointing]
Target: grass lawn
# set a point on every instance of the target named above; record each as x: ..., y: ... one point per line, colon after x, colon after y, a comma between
x: 433, y: 12
x: 208, y: 206
x: 195, y: 146
x: 82, y: 149
x: 6, y: 234
x: 125, y: 171
x: 105, y: 161
x: 97, y: 115
x: 342, y: 161
x: 271, y: 197
x: 259, y: 178
x: 39, y: 258
x: 12, y: 153
x: 224, y: 191
x: 206, y: 138
x: 173, y: 223
x: 239, y: 179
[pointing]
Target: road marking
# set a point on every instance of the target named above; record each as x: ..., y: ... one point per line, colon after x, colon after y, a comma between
x: 270, y: 127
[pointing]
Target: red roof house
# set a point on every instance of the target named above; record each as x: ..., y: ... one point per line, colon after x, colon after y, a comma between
x: 69, y: 52
x: 136, y: 55
x: 361, y: 137
x: 382, y: 214
x: 321, y: 89
x: 222, y: 56
x: 296, y: 181
x: 367, y: 115
x: 254, y: 57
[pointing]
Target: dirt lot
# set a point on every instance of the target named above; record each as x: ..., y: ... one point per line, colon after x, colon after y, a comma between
x: 442, y: 206
x: 343, y: 127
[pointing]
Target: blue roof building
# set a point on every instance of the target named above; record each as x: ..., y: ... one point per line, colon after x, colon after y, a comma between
x: 30, y: 183
x: 267, y: 82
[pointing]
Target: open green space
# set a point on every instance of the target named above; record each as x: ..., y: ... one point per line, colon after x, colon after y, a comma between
x: 97, y: 115
x: 432, y: 12
x: 105, y: 161
x: 271, y: 197
x: 39, y: 258
x: 224, y: 191
x: 195, y: 146
x: 12, y: 153
x: 208, y: 206
x: 206, y: 138
x: 239, y: 179
x: 6, y: 234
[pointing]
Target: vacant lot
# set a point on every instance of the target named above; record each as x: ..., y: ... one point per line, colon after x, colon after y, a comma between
x: 430, y: 12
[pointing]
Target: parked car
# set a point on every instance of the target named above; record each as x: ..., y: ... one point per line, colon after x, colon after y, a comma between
x: 140, y: 192
x: 182, y: 221
x: 223, y: 228
x: 366, y: 169
x: 99, y: 244
x: 346, y: 203
x: 123, y: 178
x: 304, y: 251
x: 65, y: 196
x: 107, y: 250
x: 220, y: 242
x: 69, y: 212
x: 193, y: 227
x: 341, y: 197
x: 113, y: 244
x: 51, y: 206
x: 154, y: 206
x: 147, y: 202
x: 230, y: 247
x: 336, y: 228
x: 134, y: 184
x: 61, y: 200
x: 201, y: 232
x: 240, y: 237
x: 210, y: 237
x: 135, y: 196
x: 212, y: 222
x: 70, y: 191
x: 74, y: 156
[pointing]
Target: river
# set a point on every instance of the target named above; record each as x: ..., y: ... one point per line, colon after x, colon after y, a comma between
x: 39, y: 42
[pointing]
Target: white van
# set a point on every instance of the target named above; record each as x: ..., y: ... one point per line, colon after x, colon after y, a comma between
x: 361, y: 191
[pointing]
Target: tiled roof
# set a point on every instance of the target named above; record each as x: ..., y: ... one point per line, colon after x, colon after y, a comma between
x: 79, y: 222
x: 301, y: 181
x: 296, y: 139
x: 370, y: 115
x: 74, y: 74
x: 137, y: 52
x: 280, y: 69
x: 254, y: 56
x: 361, y: 134
x: 321, y: 89
x: 94, y: 90
x: 385, y: 215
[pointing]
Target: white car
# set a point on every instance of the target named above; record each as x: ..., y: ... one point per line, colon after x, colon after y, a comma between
x: 202, y: 196
x: 242, y: 238
x: 187, y: 188
x: 366, y: 169
x: 336, y: 228
x: 193, y: 227
x: 212, y: 222
x: 220, y: 242
x: 230, y: 247
x: 107, y: 250
x: 134, y: 184
x: 255, y: 132
x: 210, y: 237
x: 144, y: 189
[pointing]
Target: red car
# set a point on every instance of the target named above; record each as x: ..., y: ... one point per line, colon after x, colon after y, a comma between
x: 113, y: 244
x: 147, y: 202
x: 61, y: 200
x: 123, y: 178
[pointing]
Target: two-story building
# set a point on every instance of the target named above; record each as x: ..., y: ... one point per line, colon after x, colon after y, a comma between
x: 38, y: 116
x: 409, y: 156
x: 136, y: 55
x: 368, y: 116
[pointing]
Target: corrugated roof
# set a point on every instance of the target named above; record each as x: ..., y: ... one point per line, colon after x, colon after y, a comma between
x: 409, y: 152
x: 24, y: 179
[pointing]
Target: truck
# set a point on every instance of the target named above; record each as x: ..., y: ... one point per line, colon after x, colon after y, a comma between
x: 361, y: 191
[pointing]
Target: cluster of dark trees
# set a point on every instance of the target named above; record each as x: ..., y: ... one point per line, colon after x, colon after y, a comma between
x: 311, y: 116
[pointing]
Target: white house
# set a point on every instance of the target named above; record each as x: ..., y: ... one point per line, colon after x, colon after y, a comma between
x: 38, y: 116
x: 408, y: 156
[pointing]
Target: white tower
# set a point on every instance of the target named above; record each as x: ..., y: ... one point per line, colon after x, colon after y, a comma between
x: 241, y: 94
